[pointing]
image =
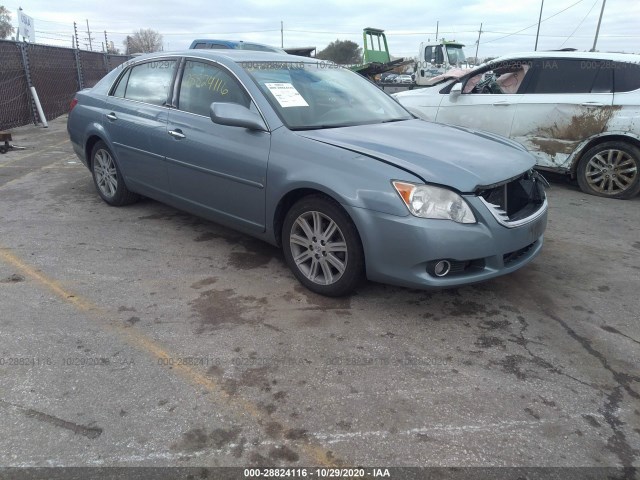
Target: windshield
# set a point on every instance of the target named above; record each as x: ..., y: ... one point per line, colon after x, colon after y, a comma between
x: 456, y: 55
x: 322, y: 95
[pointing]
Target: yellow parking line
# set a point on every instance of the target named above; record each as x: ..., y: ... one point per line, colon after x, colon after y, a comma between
x: 140, y: 341
x: 38, y: 152
x: 52, y: 285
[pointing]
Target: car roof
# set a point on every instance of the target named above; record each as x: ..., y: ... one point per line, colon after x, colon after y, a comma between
x: 234, y: 44
x: 234, y: 55
x: 619, y: 57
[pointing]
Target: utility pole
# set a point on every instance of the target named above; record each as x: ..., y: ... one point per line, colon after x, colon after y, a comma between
x: 437, y: 29
x: 18, y: 31
x: 539, y: 22
x: 106, y: 42
x: 595, y: 40
x: 281, y: 34
x: 478, y: 43
x: 89, y: 36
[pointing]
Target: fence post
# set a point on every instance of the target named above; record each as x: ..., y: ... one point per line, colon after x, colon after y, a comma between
x: 76, y: 54
x: 27, y: 71
x: 106, y: 53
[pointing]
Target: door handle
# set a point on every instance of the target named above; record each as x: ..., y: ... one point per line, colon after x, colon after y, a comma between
x: 112, y: 116
x: 177, y: 133
x: 592, y: 104
x: 501, y: 104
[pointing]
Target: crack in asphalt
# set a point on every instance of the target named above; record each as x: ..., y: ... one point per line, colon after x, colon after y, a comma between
x: 524, y: 342
x: 617, y: 443
x: 610, y: 329
x: 89, y: 432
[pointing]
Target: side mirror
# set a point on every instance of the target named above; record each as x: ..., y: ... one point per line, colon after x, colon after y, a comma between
x: 236, y: 115
x: 456, y: 90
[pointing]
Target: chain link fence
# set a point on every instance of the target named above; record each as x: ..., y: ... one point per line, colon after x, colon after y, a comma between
x: 56, y: 73
x: 15, y: 99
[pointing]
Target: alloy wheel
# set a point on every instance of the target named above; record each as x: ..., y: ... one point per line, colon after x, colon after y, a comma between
x: 611, y: 171
x: 318, y: 247
x: 106, y: 173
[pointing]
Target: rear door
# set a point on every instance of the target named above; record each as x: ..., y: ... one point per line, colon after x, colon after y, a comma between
x: 566, y: 102
x: 136, y: 121
x: 216, y: 170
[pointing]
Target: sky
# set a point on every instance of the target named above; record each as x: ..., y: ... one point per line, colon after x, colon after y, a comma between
x: 507, y: 26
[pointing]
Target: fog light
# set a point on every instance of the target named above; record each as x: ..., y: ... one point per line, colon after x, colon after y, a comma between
x: 442, y: 268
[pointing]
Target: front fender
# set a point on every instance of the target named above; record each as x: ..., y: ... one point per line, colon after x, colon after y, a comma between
x: 349, y: 178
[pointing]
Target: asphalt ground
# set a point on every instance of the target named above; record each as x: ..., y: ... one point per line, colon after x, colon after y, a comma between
x: 144, y: 336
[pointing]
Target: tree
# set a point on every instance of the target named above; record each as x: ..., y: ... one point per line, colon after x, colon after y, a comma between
x: 341, y: 52
x: 143, y: 41
x: 6, y: 28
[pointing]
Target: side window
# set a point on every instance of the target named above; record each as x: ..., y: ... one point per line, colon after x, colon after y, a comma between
x: 122, y: 85
x: 604, y: 80
x: 150, y: 82
x: 471, y: 83
x: 258, y: 48
x: 626, y: 77
x: 204, y: 83
x: 564, y: 76
x: 428, y: 54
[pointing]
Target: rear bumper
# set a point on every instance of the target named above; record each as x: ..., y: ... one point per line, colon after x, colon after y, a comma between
x: 402, y: 250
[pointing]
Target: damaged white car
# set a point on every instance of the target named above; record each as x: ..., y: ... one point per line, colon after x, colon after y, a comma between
x: 578, y: 113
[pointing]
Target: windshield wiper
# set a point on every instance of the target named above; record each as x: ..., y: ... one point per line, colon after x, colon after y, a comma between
x: 395, y: 120
x: 319, y: 127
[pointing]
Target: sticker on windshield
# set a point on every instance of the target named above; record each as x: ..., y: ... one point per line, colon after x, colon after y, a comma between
x: 286, y: 95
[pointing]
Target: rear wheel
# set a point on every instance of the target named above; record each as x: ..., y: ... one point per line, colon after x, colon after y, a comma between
x: 611, y: 169
x: 322, y: 247
x: 108, y: 179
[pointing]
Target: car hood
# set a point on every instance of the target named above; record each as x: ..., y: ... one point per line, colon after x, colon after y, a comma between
x: 454, y: 156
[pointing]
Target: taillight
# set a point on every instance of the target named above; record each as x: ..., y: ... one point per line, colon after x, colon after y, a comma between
x: 74, y: 102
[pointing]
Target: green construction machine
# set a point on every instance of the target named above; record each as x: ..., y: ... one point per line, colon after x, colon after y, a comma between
x: 375, y: 56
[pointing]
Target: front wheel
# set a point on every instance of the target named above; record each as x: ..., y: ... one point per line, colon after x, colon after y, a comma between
x: 108, y: 179
x: 322, y: 247
x: 610, y: 170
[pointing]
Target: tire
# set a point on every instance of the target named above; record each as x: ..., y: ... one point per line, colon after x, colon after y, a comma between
x: 108, y: 179
x: 611, y: 169
x: 322, y: 247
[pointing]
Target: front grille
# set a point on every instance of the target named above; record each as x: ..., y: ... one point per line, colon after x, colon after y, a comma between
x: 511, y: 257
x: 516, y: 201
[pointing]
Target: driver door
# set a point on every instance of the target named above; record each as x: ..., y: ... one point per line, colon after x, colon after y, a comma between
x: 492, y: 112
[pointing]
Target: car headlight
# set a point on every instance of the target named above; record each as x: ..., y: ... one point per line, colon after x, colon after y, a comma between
x: 427, y: 201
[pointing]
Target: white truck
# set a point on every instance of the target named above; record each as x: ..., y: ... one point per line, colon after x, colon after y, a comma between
x: 437, y: 58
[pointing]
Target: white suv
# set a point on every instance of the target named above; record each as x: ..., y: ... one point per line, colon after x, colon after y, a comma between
x: 578, y: 113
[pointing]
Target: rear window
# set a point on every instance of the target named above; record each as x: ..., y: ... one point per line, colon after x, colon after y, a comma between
x: 626, y: 77
x: 215, y: 46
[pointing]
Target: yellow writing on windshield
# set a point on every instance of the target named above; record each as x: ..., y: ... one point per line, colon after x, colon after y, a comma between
x: 212, y: 82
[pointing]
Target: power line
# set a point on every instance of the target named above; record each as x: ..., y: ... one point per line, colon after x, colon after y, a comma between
x: 530, y: 26
x: 581, y: 22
